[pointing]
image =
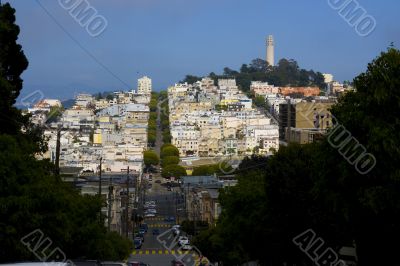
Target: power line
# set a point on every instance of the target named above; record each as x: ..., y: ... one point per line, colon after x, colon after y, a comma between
x: 81, y: 46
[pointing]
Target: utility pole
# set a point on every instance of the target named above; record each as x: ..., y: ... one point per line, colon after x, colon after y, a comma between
x: 127, y: 205
x: 176, y: 207
x: 100, y: 188
x: 110, y: 192
x: 57, y: 160
x: 134, y: 211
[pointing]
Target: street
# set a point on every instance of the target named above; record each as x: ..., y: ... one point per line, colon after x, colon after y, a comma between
x: 161, y: 249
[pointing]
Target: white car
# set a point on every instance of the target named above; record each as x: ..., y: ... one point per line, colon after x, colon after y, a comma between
x: 151, y: 211
x: 183, y: 240
x: 187, y: 247
x: 176, y: 227
x: 149, y: 215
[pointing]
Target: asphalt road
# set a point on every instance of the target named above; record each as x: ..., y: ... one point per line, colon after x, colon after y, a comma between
x: 162, y: 249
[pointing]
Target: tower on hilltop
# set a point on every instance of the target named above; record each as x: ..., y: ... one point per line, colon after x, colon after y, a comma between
x: 270, y: 50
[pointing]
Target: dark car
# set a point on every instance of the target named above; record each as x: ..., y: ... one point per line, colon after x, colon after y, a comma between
x: 156, y: 231
x: 145, y: 227
x: 137, y: 243
x: 136, y: 263
x: 139, y: 235
x: 169, y: 219
x: 158, y: 181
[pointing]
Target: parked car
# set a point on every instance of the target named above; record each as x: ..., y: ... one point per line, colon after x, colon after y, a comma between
x: 158, y: 181
x: 141, y: 236
x: 142, y: 231
x: 187, y: 247
x: 137, y: 242
x: 169, y: 219
x: 151, y: 211
x: 177, y: 226
x: 176, y: 229
x: 183, y: 240
x: 137, y: 263
x: 148, y: 215
x: 144, y: 226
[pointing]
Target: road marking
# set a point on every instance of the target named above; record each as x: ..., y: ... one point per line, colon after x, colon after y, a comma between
x: 165, y: 252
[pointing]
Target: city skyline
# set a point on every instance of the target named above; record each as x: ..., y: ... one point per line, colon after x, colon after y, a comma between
x: 150, y: 39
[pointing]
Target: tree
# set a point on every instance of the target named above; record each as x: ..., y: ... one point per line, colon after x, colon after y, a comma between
x: 151, y: 138
x: 170, y: 160
x: 190, y: 79
x: 31, y: 196
x: 12, y: 64
x: 370, y: 201
x: 313, y: 186
x: 258, y: 65
x: 202, y: 170
x: 229, y: 72
x: 259, y: 101
x: 169, y: 151
x: 219, y: 169
x: 150, y: 158
x: 176, y: 171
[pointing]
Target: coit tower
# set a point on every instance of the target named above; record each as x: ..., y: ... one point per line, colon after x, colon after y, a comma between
x: 270, y: 50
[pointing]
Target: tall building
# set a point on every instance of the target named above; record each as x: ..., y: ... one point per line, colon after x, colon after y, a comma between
x: 328, y: 78
x: 144, y: 85
x: 270, y: 50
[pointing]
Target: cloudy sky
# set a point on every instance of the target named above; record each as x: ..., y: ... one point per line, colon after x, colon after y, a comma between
x: 166, y: 39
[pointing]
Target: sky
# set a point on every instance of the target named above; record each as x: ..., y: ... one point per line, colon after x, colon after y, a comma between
x: 167, y: 39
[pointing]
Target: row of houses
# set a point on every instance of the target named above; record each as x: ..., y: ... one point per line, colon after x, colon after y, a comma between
x: 208, y: 120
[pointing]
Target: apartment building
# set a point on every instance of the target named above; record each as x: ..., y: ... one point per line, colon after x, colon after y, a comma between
x: 217, y: 127
x: 144, y: 85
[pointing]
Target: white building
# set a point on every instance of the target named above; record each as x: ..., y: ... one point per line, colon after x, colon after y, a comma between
x: 328, y: 78
x: 144, y: 85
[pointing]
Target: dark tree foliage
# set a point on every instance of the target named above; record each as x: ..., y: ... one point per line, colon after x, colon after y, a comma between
x: 169, y: 150
x: 170, y: 160
x: 190, y: 79
x: 12, y: 63
x: 286, y: 73
x: 150, y: 158
x: 173, y: 170
x: 31, y: 197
